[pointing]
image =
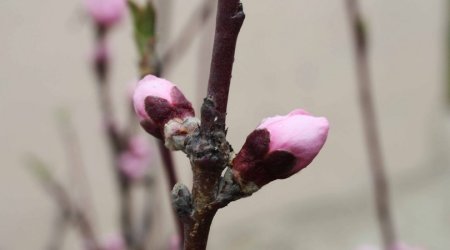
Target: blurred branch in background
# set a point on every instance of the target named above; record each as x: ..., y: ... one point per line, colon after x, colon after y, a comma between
x: 145, y: 21
x: 376, y: 161
x: 78, y: 180
x: 68, y: 209
x: 198, y: 19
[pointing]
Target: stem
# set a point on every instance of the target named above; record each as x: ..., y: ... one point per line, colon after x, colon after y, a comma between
x: 78, y: 176
x: 230, y: 18
x: 69, y: 210
x: 169, y: 167
x: 58, y: 231
x: 208, y: 149
x: 116, y: 141
x: 377, y: 166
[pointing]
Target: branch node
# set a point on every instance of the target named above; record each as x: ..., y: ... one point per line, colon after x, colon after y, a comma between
x: 182, y: 201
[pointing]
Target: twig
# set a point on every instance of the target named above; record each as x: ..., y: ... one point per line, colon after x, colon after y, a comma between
x: 67, y: 207
x: 78, y: 171
x: 230, y: 18
x: 377, y: 166
x: 58, y: 232
x: 208, y: 149
x: 197, y: 20
x: 116, y: 141
x: 172, y: 179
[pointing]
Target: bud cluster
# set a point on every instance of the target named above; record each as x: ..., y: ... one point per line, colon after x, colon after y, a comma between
x: 279, y: 147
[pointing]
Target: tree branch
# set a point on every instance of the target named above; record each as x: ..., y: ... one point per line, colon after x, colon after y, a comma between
x: 377, y: 166
x: 207, y: 148
x: 230, y: 17
x: 65, y: 204
x: 117, y: 142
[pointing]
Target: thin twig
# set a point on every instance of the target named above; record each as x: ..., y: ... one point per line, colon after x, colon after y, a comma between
x: 172, y: 179
x: 65, y: 204
x: 78, y: 176
x: 377, y: 166
x: 195, y: 23
x: 58, y: 231
x: 117, y: 141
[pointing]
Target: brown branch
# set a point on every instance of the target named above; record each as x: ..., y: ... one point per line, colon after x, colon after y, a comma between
x: 207, y: 148
x: 117, y: 142
x: 195, y: 23
x: 58, y: 231
x: 230, y: 18
x: 169, y: 169
x: 67, y: 207
x: 377, y: 166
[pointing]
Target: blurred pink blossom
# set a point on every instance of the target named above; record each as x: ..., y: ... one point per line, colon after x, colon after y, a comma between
x: 135, y: 161
x: 112, y: 242
x: 106, y: 12
x: 174, y: 243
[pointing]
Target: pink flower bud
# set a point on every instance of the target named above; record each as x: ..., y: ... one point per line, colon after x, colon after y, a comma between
x: 280, y: 147
x: 136, y: 159
x: 106, y: 12
x: 157, y: 101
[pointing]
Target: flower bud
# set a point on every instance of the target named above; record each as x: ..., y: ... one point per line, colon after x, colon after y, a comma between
x: 135, y: 160
x: 278, y: 148
x: 106, y: 12
x: 157, y: 101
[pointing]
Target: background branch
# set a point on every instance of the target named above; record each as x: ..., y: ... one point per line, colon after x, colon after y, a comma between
x: 117, y: 142
x: 198, y: 19
x: 65, y: 204
x: 377, y: 166
x: 77, y: 174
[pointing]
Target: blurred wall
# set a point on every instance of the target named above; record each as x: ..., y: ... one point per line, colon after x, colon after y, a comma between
x: 290, y: 54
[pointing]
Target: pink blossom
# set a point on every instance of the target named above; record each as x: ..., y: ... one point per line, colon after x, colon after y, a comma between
x: 136, y: 159
x: 157, y: 101
x: 280, y: 147
x: 174, y: 243
x: 106, y: 12
x: 113, y: 242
